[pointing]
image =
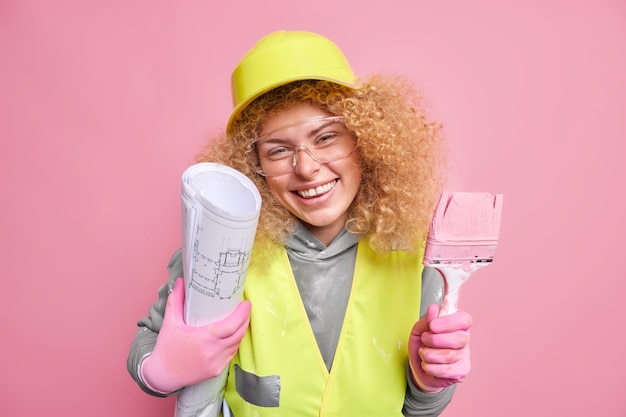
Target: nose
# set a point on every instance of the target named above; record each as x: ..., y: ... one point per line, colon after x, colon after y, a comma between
x: 305, y: 165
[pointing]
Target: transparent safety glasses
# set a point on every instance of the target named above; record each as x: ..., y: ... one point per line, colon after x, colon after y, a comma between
x: 328, y: 140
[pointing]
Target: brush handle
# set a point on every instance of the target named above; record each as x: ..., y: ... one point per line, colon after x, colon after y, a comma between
x: 454, y: 276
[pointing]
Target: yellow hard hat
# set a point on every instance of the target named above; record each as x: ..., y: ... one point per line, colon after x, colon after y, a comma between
x: 282, y: 57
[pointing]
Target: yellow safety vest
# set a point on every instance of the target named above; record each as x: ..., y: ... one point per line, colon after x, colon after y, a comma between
x: 279, y: 370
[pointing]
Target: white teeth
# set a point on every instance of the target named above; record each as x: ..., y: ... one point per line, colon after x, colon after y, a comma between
x: 312, y: 192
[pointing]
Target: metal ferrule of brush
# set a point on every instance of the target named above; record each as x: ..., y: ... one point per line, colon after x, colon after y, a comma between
x: 458, y: 252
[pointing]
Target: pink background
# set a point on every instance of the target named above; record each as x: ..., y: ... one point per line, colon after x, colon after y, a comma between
x: 104, y: 105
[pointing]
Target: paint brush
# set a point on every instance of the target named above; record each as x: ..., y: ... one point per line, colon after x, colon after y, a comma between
x: 462, y: 239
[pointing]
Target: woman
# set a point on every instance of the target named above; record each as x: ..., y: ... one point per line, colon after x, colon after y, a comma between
x: 349, y: 172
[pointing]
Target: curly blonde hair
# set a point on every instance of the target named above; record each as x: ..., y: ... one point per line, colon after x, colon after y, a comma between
x: 401, y: 149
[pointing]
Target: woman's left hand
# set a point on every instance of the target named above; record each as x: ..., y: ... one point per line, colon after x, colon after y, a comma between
x: 439, y: 353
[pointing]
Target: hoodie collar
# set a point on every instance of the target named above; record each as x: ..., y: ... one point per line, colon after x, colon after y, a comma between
x: 303, y: 244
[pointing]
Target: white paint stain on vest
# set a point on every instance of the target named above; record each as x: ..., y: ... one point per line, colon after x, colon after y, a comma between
x: 380, y: 349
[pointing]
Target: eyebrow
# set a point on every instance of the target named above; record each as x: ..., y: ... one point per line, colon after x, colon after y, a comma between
x: 312, y: 133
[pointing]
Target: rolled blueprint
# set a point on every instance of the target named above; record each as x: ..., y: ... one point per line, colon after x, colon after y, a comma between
x: 220, y: 212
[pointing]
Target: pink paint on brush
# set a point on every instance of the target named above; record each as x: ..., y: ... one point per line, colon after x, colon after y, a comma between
x: 463, y: 237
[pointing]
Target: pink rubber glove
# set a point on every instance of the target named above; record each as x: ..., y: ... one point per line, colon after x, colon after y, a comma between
x: 439, y: 352
x: 186, y: 355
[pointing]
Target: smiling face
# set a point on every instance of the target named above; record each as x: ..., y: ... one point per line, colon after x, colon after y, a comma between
x: 319, y: 194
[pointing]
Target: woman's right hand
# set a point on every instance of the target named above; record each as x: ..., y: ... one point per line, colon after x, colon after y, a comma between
x: 185, y: 355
